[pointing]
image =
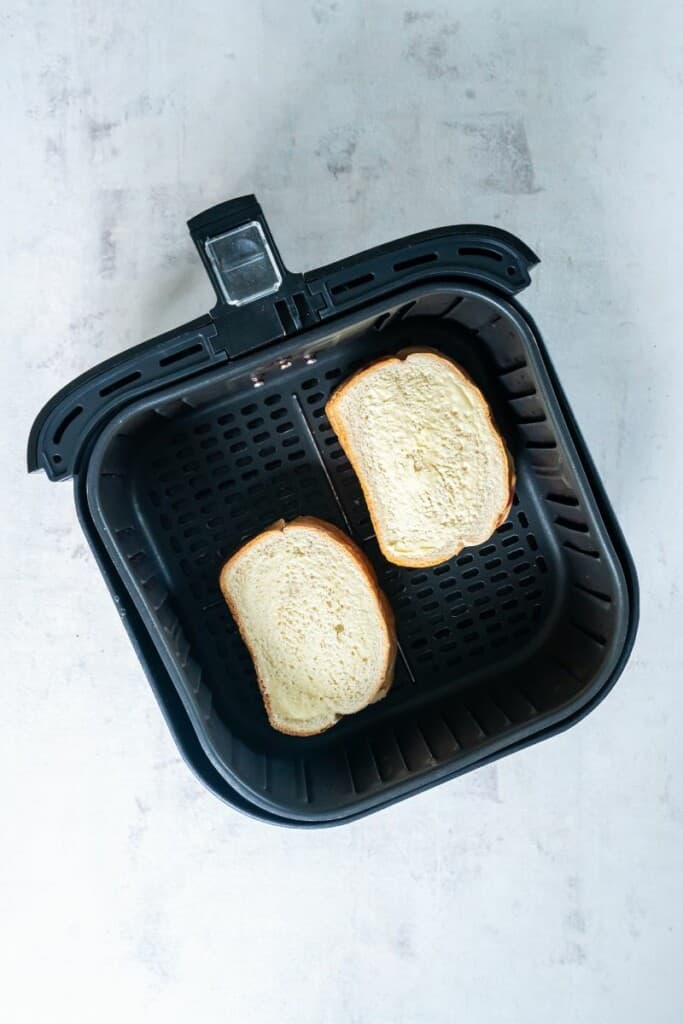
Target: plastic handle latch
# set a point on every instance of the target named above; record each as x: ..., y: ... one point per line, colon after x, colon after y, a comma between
x: 243, y: 264
x: 259, y: 300
x: 238, y: 251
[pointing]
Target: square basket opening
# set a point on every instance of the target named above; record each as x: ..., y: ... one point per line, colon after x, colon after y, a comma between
x: 493, y: 644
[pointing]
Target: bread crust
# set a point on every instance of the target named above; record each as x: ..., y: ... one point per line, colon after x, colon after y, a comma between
x: 312, y: 522
x: 335, y: 419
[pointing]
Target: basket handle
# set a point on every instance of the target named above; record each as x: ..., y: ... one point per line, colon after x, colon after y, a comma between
x: 238, y: 251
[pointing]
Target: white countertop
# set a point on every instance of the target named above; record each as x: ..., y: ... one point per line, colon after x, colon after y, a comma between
x: 548, y: 887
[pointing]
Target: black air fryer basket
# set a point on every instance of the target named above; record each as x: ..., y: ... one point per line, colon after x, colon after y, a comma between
x: 186, y: 446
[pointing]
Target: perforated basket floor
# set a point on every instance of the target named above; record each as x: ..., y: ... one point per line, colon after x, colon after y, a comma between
x: 495, y: 645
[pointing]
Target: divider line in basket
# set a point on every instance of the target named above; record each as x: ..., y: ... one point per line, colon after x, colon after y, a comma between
x: 311, y: 435
x: 316, y: 449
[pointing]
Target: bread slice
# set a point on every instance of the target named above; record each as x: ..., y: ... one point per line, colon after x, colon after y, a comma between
x: 319, y: 630
x: 434, y: 470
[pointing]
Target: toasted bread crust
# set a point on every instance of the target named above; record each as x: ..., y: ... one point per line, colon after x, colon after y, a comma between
x: 364, y: 565
x: 336, y: 421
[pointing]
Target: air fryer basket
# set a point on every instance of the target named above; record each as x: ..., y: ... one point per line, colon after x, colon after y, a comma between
x: 499, y: 646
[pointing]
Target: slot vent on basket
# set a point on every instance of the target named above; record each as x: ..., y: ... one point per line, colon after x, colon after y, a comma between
x: 415, y: 751
x: 471, y: 728
x: 587, y: 552
x: 563, y: 499
x: 592, y: 634
x: 453, y: 306
x: 66, y: 422
x: 404, y: 310
x: 365, y: 772
x: 432, y: 758
x: 349, y: 285
x: 439, y: 738
x: 596, y: 595
x: 521, y: 708
x: 122, y: 382
x: 346, y: 761
x: 480, y: 252
x: 388, y: 756
x: 531, y: 420
x: 183, y: 353
x: 490, y: 716
x: 415, y: 261
x: 566, y: 669
x: 519, y: 365
x: 528, y: 392
x: 571, y: 524
x: 303, y: 782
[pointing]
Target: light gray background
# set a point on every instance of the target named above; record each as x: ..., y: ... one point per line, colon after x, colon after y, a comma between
x: 546, y: 888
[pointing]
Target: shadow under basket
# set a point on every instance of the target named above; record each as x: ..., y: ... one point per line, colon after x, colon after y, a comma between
x: 501, y: 646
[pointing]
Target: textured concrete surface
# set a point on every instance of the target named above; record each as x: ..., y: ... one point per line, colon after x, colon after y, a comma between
x: 547, y: 888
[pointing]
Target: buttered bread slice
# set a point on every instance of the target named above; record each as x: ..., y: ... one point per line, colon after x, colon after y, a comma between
x: 434, y: 470
x: 319, y: 631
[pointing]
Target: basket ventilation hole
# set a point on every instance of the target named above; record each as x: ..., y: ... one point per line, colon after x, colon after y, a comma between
x: 66, y: 422
x: 116, y: 385
x: 184, y: 353
x: 416, y: 261
x: 475, y: 250
x: 355, y: 282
